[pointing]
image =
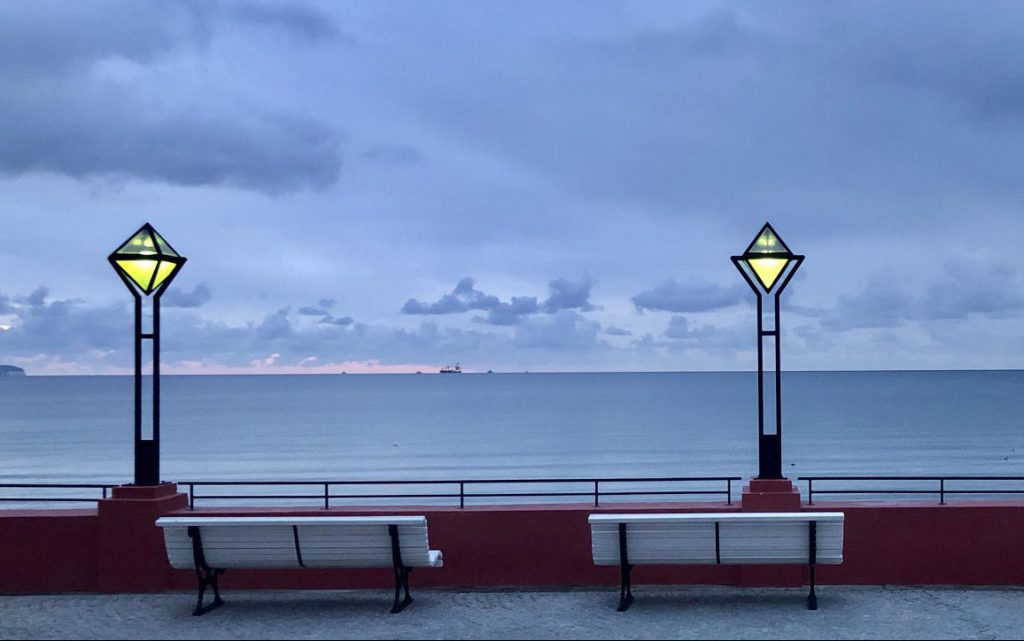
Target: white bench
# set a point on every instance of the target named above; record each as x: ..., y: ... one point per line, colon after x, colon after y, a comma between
x: 626, y: 540
x: 212, y: 545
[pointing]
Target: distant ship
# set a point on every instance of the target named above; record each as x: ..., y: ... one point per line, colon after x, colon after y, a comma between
x: 451, y: 369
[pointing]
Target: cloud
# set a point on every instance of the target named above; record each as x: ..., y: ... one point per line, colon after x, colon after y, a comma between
x: 882, y: 304
x: 35, y: 299
x: 464, y: 297
x: 563, y: 295
x: 275, y: 326
x: 707, y: 337
x: 60, y: 334
x: 690, y: 296
x: 313, y: 311
x: 982, y: 81
x: 967, y: 288
x: 92, y: 57
x: 199, y: 296
x: 718, y: 113
x: 64, y: 330
x: 327, y: 303
x: 512, y: 312
x: 563, y: 330
x: 299, y: 19
x: 566, y: 294
x: 271, y: 153
x: 611, y: 330
x: 974, y: 287
x: 344, y: 321
x: 49, y: 36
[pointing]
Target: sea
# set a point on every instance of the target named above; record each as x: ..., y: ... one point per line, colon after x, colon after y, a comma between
x: 412, y: 427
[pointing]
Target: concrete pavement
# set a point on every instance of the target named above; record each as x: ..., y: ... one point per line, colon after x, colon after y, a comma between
x: 691, y: 612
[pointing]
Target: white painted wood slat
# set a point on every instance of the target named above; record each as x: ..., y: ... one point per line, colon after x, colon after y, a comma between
x: 324, y: 542
x: 744, y: 538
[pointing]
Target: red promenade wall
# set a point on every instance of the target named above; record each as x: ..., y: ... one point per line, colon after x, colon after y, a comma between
x: 109, y: 550
x: 48, y: 551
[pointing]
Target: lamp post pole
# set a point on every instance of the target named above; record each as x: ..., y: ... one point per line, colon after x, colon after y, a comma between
x: 147, y: 450
x: 147, y: 264
x: 773, y: 266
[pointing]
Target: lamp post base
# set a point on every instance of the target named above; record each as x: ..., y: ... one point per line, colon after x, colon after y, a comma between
x: 132, y: 556
x: 770, y: 495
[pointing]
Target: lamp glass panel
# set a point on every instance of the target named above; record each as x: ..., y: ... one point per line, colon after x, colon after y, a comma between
x: 768, y: 243
x: 767, y: 270
x: 140, y: 271
x: 163, y: 272
x: 141, y: 243
x: 162, y: 245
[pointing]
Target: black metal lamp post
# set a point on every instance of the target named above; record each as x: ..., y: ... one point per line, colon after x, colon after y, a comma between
x: 147, y: 264
x: 772, y: 266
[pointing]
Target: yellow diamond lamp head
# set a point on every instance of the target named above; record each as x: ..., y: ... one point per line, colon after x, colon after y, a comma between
x: 147, y: 260
x: 147, y: 273
x: 767, y: 270
x: 139, y: 271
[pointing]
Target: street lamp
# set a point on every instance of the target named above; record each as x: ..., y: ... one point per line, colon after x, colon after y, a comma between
x: 772, y: 266
x: 147, y: 264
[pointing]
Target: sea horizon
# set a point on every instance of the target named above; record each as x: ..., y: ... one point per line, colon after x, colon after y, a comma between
x: 535, y: 372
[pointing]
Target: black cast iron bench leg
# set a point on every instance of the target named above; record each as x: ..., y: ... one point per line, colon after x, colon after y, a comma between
x: 812, y: 536
x: 401, y: 583
x: 205, y: 575
x: 208, y: 578
x: 401, y: 572
x: 625, y: 571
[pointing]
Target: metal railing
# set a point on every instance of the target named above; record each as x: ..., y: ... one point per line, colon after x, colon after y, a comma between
x: 594, y: 489
x: 940, y: 489
x: 103, y: 487
x: 463, y: 490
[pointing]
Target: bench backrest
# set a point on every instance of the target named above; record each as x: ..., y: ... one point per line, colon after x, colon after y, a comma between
x: 293, y: 542
x: 747, y: 538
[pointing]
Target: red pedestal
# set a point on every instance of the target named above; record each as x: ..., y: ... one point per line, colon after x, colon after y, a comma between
x: 770, y: 495
x: 130, y: 547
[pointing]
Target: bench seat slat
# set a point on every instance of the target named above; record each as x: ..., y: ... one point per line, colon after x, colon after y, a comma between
x: 249, y: 521
x: 325, y: 542
x: 744, y: 538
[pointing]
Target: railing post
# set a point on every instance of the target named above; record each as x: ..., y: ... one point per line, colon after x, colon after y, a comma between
x: 810, y: 491
x: 462, y: 495
x: 597, y: 493
x: 191, y: 496
x: 327, y: 496
x: 728, y: 491
x: 104, y: 492
x: 942, y: 491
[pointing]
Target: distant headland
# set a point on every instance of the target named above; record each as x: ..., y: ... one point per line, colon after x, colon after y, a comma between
x: 11, y: 370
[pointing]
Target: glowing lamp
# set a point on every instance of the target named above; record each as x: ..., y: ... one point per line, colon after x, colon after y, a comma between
x: 147, y: 261
x: 767, y: 265
x: 147, y: 264
x: 767, y: 257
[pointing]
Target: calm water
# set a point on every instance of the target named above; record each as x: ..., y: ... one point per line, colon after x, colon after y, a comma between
x: 78, y: 429
x: 536, y: 425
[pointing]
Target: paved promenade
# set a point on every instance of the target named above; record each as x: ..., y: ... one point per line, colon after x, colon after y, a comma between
x: 659, y: 613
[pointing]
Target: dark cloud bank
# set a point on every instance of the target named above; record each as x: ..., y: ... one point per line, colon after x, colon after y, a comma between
x: 64, y: 116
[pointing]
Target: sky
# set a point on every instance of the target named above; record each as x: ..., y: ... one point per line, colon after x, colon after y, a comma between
x: 546, y: 186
